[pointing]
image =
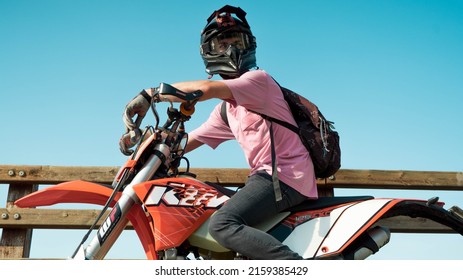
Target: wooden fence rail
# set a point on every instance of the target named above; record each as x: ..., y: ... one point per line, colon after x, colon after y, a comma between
x: 17, y: 224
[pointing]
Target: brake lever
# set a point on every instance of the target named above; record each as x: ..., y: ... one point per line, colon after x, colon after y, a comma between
x: 171, y: 116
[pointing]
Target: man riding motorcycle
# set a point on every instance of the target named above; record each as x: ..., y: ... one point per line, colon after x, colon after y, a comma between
x: 228, y: 49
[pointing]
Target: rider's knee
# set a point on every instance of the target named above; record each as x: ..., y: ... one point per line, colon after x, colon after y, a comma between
x: 221, y: 226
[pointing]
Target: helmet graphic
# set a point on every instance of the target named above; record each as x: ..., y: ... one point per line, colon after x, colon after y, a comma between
x: 228, y: 47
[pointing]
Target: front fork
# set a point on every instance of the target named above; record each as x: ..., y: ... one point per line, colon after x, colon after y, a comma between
x: 117, y: 220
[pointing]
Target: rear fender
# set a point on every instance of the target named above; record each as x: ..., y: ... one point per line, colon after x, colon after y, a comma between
x: 424, y: 209
x: 87, y: 192
x: 331, y: 231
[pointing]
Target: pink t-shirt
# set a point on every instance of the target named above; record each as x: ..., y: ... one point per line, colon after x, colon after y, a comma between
x: 257, y: 91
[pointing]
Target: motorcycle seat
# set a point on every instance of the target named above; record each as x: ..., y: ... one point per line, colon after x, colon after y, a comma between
x: 314, y: 204
x: 323, y: 202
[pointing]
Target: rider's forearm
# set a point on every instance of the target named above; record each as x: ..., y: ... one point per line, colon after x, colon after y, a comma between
x: 210, y: 89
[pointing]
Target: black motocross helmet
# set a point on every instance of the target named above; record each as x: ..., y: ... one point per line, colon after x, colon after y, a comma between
x: 228, y: 47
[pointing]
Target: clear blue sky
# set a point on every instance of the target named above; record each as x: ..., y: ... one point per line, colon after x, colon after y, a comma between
x: 388, y: 73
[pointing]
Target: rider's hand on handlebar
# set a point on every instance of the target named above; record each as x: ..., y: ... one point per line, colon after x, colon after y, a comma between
x: 139, y: 105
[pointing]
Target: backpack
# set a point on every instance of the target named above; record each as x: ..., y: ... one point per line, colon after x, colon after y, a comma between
x: 316, y: 133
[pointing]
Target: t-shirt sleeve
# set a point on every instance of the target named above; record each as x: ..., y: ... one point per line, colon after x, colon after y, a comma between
x: 214, y: 131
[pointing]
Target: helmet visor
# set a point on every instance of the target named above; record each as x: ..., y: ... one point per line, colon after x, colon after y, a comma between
x: 220, y: 43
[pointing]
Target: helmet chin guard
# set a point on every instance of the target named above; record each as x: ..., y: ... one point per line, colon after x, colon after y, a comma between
x: 228, y: 46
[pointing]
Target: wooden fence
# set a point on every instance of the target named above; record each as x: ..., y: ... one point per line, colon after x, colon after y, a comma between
x: 17, y: 223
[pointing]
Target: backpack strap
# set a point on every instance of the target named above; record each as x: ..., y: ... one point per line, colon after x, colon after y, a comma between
x: 295, y: 129
x: 289, y: 126
x: 275, y: 180
x: 223, y: 112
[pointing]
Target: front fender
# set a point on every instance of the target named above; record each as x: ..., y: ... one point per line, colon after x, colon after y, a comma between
x: 69, y: 192
x: 92, y: 193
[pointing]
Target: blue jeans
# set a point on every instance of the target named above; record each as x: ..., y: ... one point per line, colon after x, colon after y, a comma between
x: 231, y: 225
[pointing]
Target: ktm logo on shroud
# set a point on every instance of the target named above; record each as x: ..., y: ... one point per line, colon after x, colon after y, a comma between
x: 181, y: 195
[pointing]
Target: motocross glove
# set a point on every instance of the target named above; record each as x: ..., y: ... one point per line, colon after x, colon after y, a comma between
x: 139, y: 105
x: 129, y: 140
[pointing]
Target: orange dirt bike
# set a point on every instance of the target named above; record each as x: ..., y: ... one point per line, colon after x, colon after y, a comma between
x: 170, y: 209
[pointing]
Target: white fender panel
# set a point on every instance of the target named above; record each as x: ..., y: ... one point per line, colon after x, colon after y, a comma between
x: 332, y: 232
x: 306, y: 238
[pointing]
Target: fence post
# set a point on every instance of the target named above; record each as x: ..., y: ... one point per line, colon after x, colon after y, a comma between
x: 16, y: 243
x: 325, y: 188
